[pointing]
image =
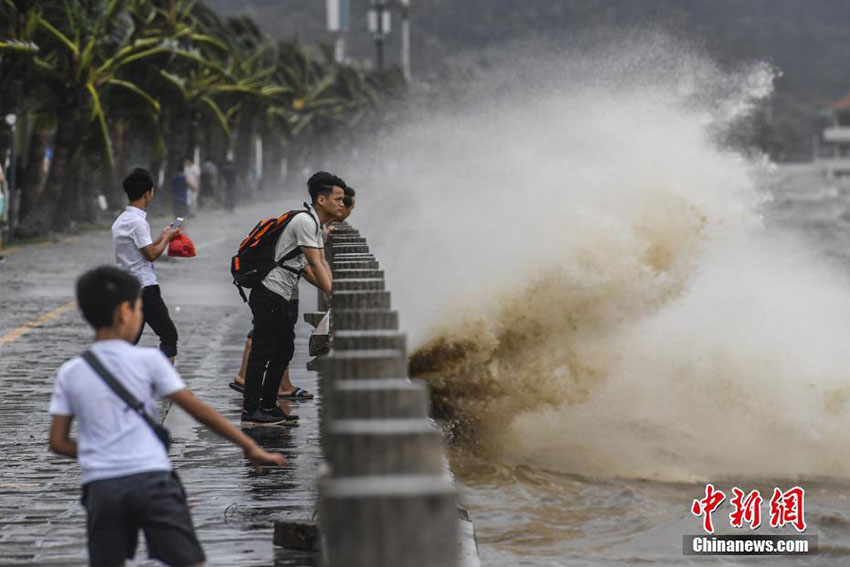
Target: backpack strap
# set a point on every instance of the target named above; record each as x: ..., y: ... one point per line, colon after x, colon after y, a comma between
x: 241, y: 292
x: 307, y: 209
x: 297, y: 250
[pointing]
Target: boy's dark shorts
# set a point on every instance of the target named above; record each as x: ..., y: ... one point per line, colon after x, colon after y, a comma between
x: 154, y: 502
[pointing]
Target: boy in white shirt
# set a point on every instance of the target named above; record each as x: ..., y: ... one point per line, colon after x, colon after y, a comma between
x: 128, y: 482
x: 135, y: 252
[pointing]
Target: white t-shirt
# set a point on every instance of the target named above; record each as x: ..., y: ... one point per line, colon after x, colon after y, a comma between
x: 130, y: 233
x: 193, y: 176
x: 112, y: 439
x: 304, y: 231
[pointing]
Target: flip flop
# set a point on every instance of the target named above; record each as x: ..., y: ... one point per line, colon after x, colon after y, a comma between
x: 296, y: 394
x: 237, y: 387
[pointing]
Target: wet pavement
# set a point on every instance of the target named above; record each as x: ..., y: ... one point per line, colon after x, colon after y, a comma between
x: 41, y: 520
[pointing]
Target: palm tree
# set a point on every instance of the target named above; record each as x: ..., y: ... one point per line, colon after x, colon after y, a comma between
x: 84, y: 51
x: 171, y: 72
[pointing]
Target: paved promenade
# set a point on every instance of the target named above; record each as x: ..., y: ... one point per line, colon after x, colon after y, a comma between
x: 41, y: 520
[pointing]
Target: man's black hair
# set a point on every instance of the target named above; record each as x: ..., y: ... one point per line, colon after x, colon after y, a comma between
x: 322, y: 183
x: 100, y: 291
x: 137, y: 183
x: 348, y: 200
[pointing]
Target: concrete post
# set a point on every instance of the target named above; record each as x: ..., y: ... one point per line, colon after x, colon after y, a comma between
x: 389, y: 521
x: 347, y: 239
x: 350, y: 248
x: 387, y: 500
x: 359, y: 284
x: 380, y: 398
x: 357, y: 274
x: 358, y: 447
x: 339, y: 264
x: 362, y: 364
x: 362, y: 299
x: 372, y: 339
x: 348, y: 256
x: 364, y: 319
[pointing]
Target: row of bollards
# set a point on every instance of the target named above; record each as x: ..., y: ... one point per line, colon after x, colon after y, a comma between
x: 386, y: 499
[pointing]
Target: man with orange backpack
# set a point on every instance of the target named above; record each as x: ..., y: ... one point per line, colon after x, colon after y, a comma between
x: 270, y: 262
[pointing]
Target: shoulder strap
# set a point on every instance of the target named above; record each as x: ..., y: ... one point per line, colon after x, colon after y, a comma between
x: 307, y: 210
x: 297, y: 250
x: 120, y: 390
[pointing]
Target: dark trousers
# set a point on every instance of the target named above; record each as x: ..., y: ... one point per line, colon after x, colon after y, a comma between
x: 117, y: 508
x: 271, y: 348
x: 156, y: 315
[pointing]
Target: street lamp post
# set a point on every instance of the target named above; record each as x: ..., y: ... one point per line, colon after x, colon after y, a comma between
x: 338, y: 15
x: 404, y: 6
x: 379, y: 25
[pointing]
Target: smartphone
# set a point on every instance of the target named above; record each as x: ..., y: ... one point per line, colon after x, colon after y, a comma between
x: 177, y: 222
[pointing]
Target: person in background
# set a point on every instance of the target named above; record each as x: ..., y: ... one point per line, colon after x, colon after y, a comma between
x: 193, y: 180
x: 348, y: 207
x: 209, y: 176
x: 272, y: 305
x: 128, y: 480
x: 135, y: 252
x: 228, y: 177
x: 180, y: 193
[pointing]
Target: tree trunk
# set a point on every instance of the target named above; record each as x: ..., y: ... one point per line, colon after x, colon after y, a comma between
x: 176, y: 136
x: 112, y: 180
x: 244, y: 150
x: 53, y: 209
x: 176, y: 132
x: 191, y: 138
x: 90, y: 174
x: 272, y: 159
x: 72, y: 206
x: 32, y: 185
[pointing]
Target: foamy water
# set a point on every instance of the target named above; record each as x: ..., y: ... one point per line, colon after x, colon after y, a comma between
x: 602, y: 292
x: 587, y: 273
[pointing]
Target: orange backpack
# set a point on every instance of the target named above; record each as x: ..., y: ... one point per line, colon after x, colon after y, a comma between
x: 256, y: 255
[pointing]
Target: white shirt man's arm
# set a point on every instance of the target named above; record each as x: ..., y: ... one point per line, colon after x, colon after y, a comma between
x: 309, y: 275
x: 156, y: 248
x: 316, y: 260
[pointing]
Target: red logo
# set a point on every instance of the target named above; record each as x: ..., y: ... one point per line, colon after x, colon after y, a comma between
x: 705, y: 507
x: 785, y: 508
x: 747, y: 509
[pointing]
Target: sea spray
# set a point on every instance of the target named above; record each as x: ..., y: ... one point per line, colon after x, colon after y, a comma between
x: 584, y: 268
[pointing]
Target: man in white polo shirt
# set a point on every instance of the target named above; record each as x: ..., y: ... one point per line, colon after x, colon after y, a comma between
x: 135, y: 252
x: 273, y: 303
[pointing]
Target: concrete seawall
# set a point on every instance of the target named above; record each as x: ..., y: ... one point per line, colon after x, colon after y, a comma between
x: 386, y: 496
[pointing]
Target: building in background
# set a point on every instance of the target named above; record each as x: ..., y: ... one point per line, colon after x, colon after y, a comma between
x: 833, y: 156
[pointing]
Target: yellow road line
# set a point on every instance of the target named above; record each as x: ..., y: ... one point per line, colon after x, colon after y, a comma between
x: 46, y: 318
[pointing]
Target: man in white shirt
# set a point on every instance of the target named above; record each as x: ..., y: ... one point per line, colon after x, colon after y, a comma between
x: 135, y: 252
x: 128, y: 482
x: 193, y: 180
x: 273, y: 344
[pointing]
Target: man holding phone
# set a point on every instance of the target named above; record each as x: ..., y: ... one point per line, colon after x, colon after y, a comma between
x: 135, y: 252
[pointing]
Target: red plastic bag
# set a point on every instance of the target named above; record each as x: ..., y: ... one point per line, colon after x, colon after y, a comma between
x: 181, y: 246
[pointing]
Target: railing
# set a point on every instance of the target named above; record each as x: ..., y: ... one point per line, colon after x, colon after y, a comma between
x: 386, y: 498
